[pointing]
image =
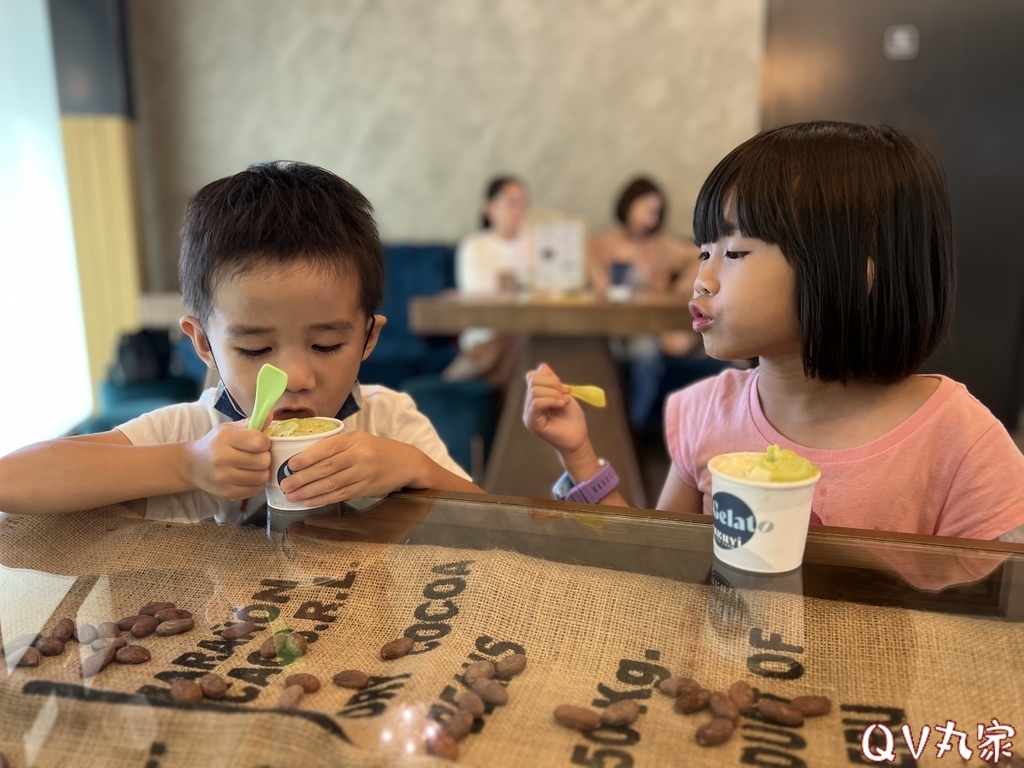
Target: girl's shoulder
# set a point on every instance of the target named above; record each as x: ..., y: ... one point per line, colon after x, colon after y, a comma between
x: 725, y: 391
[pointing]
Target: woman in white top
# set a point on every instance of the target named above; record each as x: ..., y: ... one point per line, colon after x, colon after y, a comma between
x: 493, y: 260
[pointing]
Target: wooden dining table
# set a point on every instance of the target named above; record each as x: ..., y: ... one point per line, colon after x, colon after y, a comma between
x: 571, y: 605
x: 571, y: 334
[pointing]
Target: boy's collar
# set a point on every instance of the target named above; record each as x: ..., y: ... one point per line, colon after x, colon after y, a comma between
x: 225, y: 403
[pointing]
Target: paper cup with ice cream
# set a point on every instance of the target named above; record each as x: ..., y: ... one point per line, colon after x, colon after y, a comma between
x: 288, y: 438
x: 762, y: 507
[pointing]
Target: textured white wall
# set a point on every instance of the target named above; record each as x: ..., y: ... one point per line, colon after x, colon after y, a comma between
x: 418, y: 102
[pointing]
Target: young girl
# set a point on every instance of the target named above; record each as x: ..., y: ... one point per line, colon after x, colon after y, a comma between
x: 827, y: 252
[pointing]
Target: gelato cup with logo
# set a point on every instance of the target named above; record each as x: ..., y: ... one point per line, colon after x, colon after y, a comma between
x: 762, y: 507
x: 288, y: 438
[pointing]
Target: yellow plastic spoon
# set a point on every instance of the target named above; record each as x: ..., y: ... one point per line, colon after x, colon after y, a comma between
x: 271, y: 383
x: 588, y: 393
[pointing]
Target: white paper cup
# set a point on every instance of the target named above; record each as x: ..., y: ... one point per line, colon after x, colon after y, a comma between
x: 282, y: 449
x: 760, y: 526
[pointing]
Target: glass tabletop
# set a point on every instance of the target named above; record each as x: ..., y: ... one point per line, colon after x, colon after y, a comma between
x: 592, y: 636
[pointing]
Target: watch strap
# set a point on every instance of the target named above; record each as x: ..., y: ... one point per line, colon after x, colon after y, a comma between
x: 590, y: 491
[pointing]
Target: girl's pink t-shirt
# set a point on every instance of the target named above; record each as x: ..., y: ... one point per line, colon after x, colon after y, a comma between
x: 951, y: 469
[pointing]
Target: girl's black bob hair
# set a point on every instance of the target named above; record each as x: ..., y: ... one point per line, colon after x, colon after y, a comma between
x: 862, y: 214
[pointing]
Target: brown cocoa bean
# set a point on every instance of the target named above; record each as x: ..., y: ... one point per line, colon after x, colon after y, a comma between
x: 174, y: 627
x: 780, y: 713
x: 692, y: 700
x: 213, y: 686
x: 29, y: 657
x: 622, y: 712
x: 440, y: 743
x: 170, y: 614
x: 715, y: 732
x: 126, y: 623
x: 133, y: 654
x: 144, y: 627
x: 722, y: 706
x: 291, y: 645
x: 108, y: 629
x: 673, y: 686
x: 152, y: 607
x: 478, y: 670
x: 94, y: 663
x: 186, y: 691
x: 85, y: 633
x: 49, y: 646
x: 238, y: 630
x: 459, y: 724
x: 811, y: 706
x: 578, y: 718
x: 269, y: 648
x: 472, y: 703
x: 396, y: 649
x: 511, y: 665
x: 351, y: 678
x: 63, y: 630
x: 491, y: 691
x: 290, y: 697
x: 742, y: 696
x: 310, y: 683
x: 101, y: 643
x: 3, y: 761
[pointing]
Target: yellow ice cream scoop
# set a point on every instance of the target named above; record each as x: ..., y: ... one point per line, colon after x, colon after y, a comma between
x: 588, y: 393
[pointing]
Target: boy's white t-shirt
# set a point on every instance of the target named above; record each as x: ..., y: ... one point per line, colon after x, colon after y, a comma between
x: 382, y: 412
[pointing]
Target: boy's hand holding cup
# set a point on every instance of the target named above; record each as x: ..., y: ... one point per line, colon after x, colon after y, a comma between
x: 287, y: 439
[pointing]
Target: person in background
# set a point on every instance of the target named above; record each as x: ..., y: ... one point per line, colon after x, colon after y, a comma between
x: 640, y: 258
x: 828, y: 254
x: 280, y: 263
x: 495, y: 259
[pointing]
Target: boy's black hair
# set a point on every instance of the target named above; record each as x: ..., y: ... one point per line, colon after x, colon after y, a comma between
x: 639, y: 187
x: 278, y: 213
x: 494, y: 187
x: 836, y: 197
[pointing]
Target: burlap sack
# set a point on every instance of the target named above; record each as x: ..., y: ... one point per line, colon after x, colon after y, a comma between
x: 591, y: 636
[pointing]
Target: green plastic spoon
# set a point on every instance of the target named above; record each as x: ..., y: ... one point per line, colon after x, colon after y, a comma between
x: 271, y: 383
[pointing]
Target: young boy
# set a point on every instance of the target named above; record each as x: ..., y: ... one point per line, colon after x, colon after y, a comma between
x: 280, y: 264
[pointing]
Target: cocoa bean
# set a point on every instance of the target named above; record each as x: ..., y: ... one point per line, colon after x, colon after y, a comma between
x: 290, y: 697
x: 3, y: 761
x: 108, y: 629
x: 186, y: 691
x: 622, y: 712
x: 578, y: 718
x: 174, y: 627
x: 85, y: 633
x: 715, y: 732
x: 126, y: 623
x: 30, y: 657
x: 396, y: 649
x: 170, y: 614
x: 722, y: 706
x: 101, y: 643
x: 152, y: 607
x: 310, y: 683
x: 351, y: 678
x: 742, y: 696
x: 94, y: 663
x: 511, y: 665
x: 692, y: 700
x: 780, y: 713
x: 284, y: 643
x: 213, y: 686
x: 673, y: 686
x: 238, y: 630
x: 144, y: 627
x: 133, y: 654
x: 269, y: 648
x: 460, y: 724
x: 49, y: 646
x: 440, y: 743
x: 472, y: 703
x: 478, y: 670
x: 64, y: 630
x: 811, y: 706
x: 491, y: 691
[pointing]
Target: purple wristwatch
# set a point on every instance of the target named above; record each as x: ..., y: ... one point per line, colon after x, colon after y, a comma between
x: 589, y: 491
